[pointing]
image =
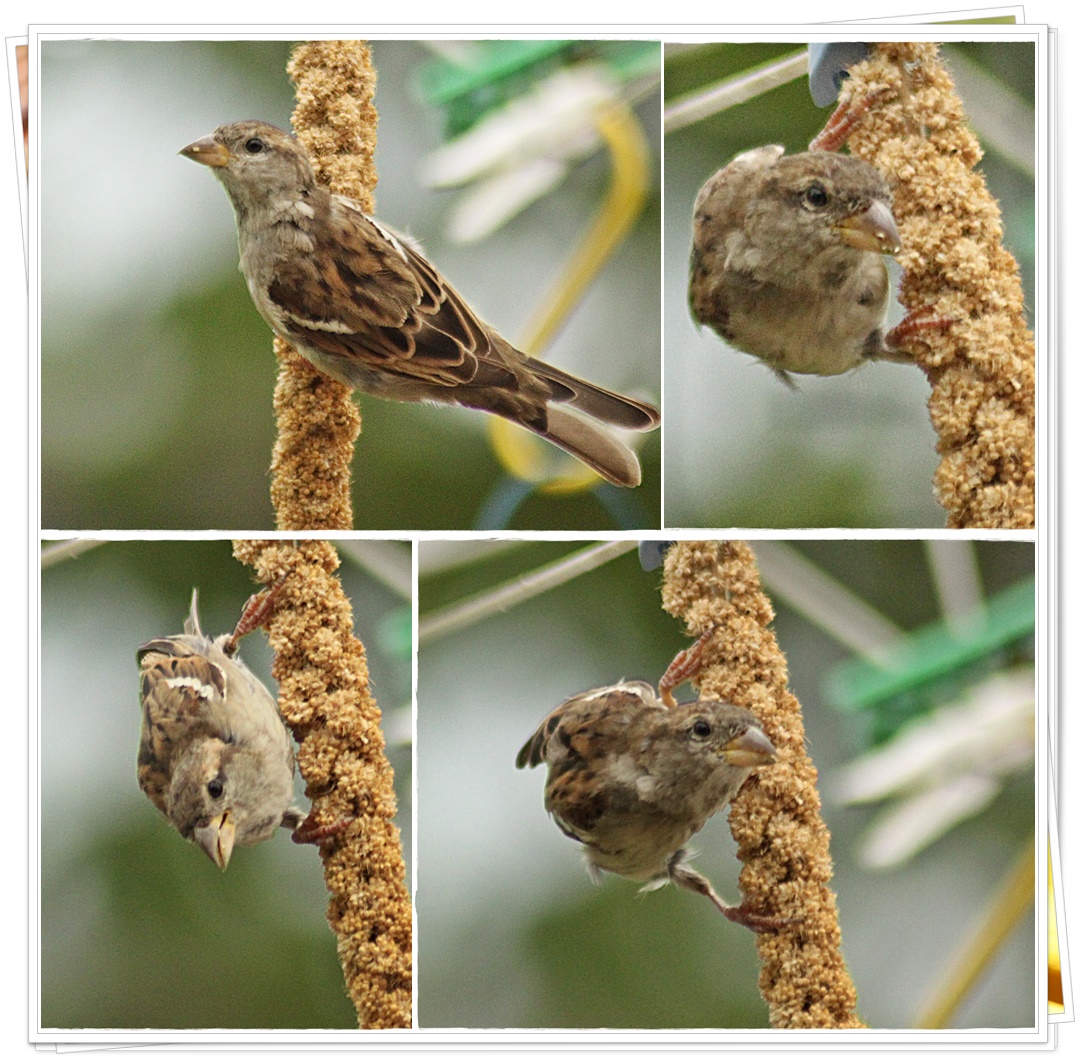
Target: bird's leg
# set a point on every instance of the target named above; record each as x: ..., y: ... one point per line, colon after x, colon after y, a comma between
x: 843, y: 119
x: 307, y: 833
x: 917, y: 320
x: 686, y: 877
x: 911, y: 326
x: 256, y: 613
x: 684, y: 666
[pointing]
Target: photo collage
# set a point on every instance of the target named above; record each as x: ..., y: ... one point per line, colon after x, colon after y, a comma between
x: 574, y: 511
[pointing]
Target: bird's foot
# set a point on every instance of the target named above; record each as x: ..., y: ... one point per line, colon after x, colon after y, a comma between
x: 686, y: 877
x: 257, y: 611
x: 843, y: 119
x: 307, y: 833
x: 912, y: 326
x: 684, y: 666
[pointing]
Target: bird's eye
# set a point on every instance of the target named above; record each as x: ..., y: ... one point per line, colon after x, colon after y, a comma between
x: 815, y: 196
x: 701, y: 728
x: 254, y: 145
x: 215, y: 788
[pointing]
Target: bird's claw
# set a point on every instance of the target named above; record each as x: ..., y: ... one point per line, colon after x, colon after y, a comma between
x: 913, y: 324
x: 684, y: 666
x: 307, y: 833
x: 257, y: 611
x: 843, y: 119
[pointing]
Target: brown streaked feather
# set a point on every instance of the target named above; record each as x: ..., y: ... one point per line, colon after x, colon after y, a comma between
x: 215, y: 757
x: 400, y: 316
x: 170, y: 708
x: 607, y: 455
x: 595, y: 401
x: 566, y: 729
x: 366, y: 307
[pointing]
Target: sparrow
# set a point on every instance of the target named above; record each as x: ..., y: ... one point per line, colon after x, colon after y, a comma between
x: 633, y: 776
x: 215, y: 757
x: 787, y: 262
x: 364, y: 306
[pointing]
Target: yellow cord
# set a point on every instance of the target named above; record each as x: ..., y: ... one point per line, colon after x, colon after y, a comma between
x: 523, y: 454
x: 1008, y: 905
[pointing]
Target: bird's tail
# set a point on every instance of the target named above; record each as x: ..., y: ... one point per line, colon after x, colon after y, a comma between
x: 607, y: 455
x: 596, y: 402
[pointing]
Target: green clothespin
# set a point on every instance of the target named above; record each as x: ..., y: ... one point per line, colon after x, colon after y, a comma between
x: 934, y: 663
x: 486, y: 74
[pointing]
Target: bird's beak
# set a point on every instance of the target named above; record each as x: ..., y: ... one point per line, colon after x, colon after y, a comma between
x: 216, y: 839
x: 751, y: 749
x: 873, y: 229
x: 207, y: 151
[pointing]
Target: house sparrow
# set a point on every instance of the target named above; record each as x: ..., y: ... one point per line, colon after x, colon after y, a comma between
x: 366, y: 308
x: 787, y: 260
x: 633, y: 776
x: 215, y: 757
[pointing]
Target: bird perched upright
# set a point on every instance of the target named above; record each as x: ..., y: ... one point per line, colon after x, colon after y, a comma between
x: 364, y: 306
x: 788, y: 260
x: 633, y: 776
x: 215, y: 757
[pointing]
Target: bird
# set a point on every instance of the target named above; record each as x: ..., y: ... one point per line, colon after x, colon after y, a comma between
x: 633, y: 778
x: 215, y: 757
x: 788, y: 261
x: 364, y: 306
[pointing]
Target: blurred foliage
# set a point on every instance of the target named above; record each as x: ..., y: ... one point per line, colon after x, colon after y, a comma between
x: 855, y: 450
x: 514, y: 934
x: 157, y: 373
x: 577, y: 992
x: 138, y: 929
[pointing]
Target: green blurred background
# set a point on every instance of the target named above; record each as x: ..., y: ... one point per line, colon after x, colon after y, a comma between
x: 513, y: 932
x: 138, y: 929
x: 851, y: 450
x: 157, y: 373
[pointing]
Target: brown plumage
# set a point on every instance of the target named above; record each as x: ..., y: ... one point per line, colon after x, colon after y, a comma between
x: 365, y: 307
x: 787, y: 260
x: 215, y: 757
x: 633, y: 780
